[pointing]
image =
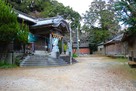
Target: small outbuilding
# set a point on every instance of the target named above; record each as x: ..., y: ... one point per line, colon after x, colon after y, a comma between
x: 115, y: 46
x: 100, y: 48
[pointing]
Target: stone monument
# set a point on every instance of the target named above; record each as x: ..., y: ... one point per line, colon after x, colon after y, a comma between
x: 55, y: 49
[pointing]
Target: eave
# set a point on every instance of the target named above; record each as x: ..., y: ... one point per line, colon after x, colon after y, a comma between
x: 49, y: 25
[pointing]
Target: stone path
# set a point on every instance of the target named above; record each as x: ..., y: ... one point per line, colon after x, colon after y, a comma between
x: 92, y: 73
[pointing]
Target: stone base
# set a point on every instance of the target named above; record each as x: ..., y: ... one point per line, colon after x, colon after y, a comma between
x: 55, y: 54
x: 10, y: 58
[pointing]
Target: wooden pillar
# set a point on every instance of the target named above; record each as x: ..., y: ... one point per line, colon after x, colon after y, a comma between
x: 33, y: 47
x: 77, y: 38
x: 62, y: 45
x: 71, y: 50
x: 45, y: 44
x: 50, y: 42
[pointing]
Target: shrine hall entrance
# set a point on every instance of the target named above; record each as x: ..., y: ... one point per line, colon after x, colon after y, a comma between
x: 41, y: 44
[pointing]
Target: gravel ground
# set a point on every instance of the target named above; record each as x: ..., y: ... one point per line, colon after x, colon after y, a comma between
x: 91, y: 73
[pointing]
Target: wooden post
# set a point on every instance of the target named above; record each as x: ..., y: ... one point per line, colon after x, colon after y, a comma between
x: 33, y: 47
x: 77, y: 35
x: 45, y: 45
x: 50, y: 42
x: 71, y: 53
x: 62, y: 46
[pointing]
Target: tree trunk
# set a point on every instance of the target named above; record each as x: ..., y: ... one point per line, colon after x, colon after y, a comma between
x: 24, y: 48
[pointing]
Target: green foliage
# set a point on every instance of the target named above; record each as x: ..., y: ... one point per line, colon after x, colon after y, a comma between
x: 99, y: 35
x: 17, y: 61
x: 10, y: 30
x: 65, y: 47
x: 122, y: 59
x: 22, y: 35
x: 27, y: 5
x: 9, y: 27
x: 75, y: 55
x: 60, y: 45
x: 93, y: 47
x: 8, y: 22
x: 48, y: 8
x: 6, y: 65
x: 100, y: 22
x: 54, y: 8
x: 126, y: 12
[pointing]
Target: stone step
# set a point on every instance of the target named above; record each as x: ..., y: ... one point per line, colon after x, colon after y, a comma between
x: 36, y: 60
x: 45, y: 62
x: 38, y: 52
x: 48, y: 64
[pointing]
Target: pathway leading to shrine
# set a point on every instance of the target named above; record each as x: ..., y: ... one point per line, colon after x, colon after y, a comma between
x: 91, y: 73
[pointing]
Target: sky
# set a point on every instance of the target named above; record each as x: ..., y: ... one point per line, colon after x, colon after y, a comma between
x: 78, y: 5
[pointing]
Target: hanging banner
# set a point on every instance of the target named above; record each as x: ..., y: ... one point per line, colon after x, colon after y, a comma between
x: 32, y: 38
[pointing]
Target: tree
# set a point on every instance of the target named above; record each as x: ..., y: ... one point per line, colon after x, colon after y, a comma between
x: 8, y: 22
x: 22, y: 35
x: 8, y: 26
x: 10, y: 29
x: 126, y: 12
x: 68, y: 13
x: 101, y: 21
x: 28, y: 5
x: 47, y: 8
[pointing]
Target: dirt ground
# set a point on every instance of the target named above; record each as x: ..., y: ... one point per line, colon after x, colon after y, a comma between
x: 91, y: 73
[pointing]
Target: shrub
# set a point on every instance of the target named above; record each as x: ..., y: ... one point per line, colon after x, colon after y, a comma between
x: 6, y: 65
x: 75, y: 55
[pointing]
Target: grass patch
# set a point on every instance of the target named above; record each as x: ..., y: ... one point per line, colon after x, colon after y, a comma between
x: 129, y: 70
x: 121, y: 59
x: 6, y: 65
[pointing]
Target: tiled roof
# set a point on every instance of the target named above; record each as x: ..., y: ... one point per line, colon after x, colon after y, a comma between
x: 25, y: 17
x: 54, y: 22
x: 57, y: 23
x: 117, y: 38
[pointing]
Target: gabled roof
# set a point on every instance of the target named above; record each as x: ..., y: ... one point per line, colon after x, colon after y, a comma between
x: 47, y: 25
x: 117, y: 38
x: 43, y: 26
x: 46, y: 21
